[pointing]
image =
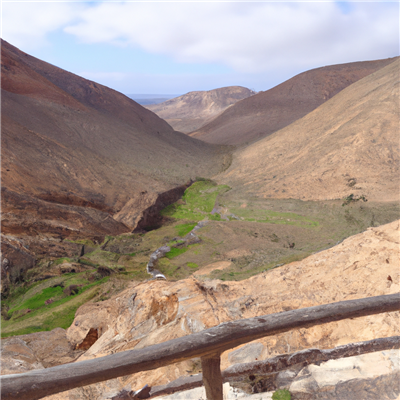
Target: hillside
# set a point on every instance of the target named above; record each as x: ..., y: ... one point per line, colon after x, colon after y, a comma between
x: 74, y: 153
x: 348, y: 145
x: 266, y: 112
x: 191, y: 111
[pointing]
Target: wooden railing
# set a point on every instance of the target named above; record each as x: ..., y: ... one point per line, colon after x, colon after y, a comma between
x: 208, y: 344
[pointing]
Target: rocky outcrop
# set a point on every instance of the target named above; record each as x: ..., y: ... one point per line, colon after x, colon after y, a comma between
x: 142, y: 212
x: 35, y: 351
x: 16, y: 260
x: 366, y: 377
x: 369, y: 376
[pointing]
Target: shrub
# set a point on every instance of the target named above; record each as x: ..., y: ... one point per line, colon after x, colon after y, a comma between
x: 352, y: 199
x: 281, y: 394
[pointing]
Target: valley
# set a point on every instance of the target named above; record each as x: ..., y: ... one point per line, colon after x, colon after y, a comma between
x: 245, y: 238
x: 258, y: 203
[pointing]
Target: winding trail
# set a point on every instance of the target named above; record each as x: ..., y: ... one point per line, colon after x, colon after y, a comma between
x: 163, y: 250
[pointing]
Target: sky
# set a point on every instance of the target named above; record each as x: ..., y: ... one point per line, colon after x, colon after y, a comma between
x: 174, y: 47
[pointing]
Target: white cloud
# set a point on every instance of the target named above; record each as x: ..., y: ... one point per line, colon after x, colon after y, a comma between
x: 27, y: 24
x: 251, y: 38
x: 248, y: 37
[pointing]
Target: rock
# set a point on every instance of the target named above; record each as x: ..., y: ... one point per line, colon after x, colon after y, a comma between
x: 89, y: 340
x: 36, y: 350
x: 366, y: 377
x: 229, y: 393
x: 17, y: 259
x: 17, y: 357
x: 71, y: 290
x: 248, y: 353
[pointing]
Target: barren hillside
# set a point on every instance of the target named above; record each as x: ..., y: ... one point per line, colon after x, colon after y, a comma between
x: 75, y: 152
x: 191, y: 111
x: 348, y: 145
x: 266, y: 112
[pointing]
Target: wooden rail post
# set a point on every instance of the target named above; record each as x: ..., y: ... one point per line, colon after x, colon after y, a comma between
x: 212, y: 377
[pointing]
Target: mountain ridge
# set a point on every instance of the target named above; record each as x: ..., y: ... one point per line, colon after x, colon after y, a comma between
x: 266, y: 112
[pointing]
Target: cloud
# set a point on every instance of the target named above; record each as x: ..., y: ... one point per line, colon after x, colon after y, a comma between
x: 247, y: 37
x: 27, y: 24
x: 255, y: 40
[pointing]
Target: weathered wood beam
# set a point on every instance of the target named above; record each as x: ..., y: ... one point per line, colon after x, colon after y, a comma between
x: 212, y: 378
x: 280, y: 363
x: 40, y: 383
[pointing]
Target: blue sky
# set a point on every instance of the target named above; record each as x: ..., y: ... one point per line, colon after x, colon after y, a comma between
x: 177, y: 47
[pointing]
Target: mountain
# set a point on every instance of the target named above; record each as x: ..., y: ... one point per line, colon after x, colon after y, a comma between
x: 74, y: 153
x: 191, y: 111
x: 347, y: 146
x: 267, y: 112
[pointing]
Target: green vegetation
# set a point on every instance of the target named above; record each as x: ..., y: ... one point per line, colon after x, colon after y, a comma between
x: 281, y: 394
x: 199, y: 200
x: 183, y: 229
x: 274, y: 217
x: 28, y: 313
x: 254, y: 234
x: 176, y: 251
x: 61, y: 260
x: 353, y: 199
x: 38, y: 300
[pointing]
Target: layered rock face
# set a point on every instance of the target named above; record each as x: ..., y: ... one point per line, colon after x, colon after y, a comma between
x: 266, y: 112
x: 348, y: 145
x: 156, y: 311
x: 191, y: 111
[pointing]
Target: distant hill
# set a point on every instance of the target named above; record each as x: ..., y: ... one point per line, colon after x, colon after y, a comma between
x: 192, y: 110
x: 348, y: 145
x: 267, y: 112
x: 74, y: 153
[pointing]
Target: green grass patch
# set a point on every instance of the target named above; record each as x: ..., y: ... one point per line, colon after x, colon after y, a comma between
x: 192, y: 265
x: 184, y: 229
x: 38, y: 300
x: 199, y: 202
x: 61, y: 260
x: 176, y: 251
x: 274, y: 217
x: 87, y: 262
x: 281, y: 394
